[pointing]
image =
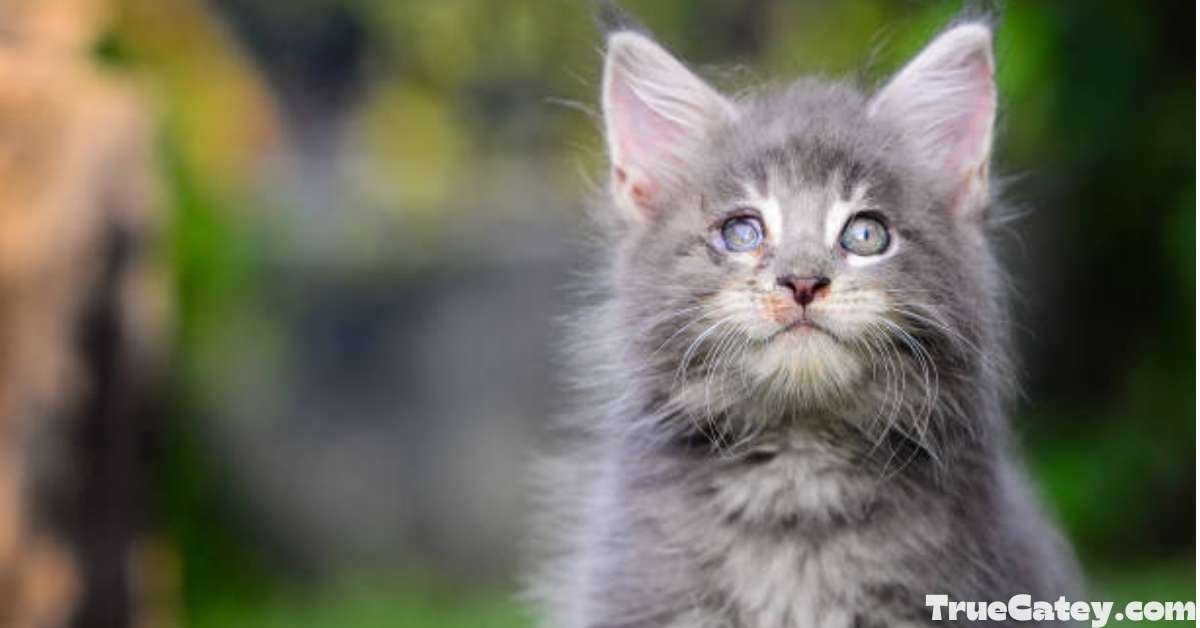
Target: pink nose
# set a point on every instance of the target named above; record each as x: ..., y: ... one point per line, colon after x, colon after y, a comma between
x: 805, y: 289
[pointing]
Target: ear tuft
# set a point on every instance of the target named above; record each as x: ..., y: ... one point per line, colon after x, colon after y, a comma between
x: 944, y: 103
x: 657, y: 115
x: 611, y: 18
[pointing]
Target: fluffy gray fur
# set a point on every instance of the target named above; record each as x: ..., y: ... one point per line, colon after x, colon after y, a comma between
x: 720, y: 473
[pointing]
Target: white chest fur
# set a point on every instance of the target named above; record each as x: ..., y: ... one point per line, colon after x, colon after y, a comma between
x: 773, y: 583
x: 778, y: 565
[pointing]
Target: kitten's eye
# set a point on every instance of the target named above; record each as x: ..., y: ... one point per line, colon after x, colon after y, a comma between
x: 742, y: 234
x: 864, y: 236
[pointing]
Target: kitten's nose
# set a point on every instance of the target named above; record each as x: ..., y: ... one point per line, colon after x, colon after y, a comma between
x: 805, y: 289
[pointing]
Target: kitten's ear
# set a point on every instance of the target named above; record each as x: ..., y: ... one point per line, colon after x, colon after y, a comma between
x: 657, y: 115
x: 944, y: 103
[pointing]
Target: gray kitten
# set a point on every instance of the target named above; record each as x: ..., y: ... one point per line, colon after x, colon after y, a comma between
x: 796, y: 376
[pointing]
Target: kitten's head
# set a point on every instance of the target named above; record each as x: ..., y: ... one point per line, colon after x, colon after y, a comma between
x: 809, y: 245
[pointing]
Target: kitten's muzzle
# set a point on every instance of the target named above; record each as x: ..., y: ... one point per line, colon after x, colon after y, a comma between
x: 805, y: 290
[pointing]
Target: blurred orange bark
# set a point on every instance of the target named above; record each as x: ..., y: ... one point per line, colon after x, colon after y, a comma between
x: 83, y: 310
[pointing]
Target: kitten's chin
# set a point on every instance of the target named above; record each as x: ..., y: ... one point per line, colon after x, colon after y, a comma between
x: 806, y: 365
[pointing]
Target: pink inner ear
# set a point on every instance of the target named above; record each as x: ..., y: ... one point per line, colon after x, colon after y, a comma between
x: 975, y: 132
x: 944, y: 101
x: 644, y: 140
x: 657, y: 115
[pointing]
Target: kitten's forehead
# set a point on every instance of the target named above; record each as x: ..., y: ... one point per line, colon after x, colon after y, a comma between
x: 809, y: 154
x: 775, y: 173
x: 805, y: 136
x: 775, y: 180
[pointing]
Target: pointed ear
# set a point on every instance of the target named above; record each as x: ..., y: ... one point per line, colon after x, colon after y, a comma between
x: 657, y: 116
x: 944, y: 103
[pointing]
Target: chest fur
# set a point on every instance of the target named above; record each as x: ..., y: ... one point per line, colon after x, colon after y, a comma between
x: 788, y: 554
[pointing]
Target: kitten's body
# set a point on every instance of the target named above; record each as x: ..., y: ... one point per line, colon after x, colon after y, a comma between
x: 759, y: 475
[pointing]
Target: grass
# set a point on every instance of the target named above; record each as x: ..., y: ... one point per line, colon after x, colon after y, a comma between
x: 370, y: 604
x: 400, y: 603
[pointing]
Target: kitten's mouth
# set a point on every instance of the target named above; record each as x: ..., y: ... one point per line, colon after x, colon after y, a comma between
x: 804, y: 325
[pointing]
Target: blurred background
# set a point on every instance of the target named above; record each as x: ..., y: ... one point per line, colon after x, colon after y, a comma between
x: 280, y: 283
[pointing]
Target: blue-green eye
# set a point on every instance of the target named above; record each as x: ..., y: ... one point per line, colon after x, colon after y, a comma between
x: 864, y: 236
x: 742, y: 234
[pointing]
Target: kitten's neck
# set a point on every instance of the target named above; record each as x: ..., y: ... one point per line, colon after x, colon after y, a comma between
x: 927, y: 442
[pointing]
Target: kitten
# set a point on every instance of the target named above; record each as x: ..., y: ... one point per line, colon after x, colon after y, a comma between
x: 796, y: 374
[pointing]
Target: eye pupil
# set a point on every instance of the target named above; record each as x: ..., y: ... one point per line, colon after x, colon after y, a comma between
x: 865, y: 236
x: 742, y: 234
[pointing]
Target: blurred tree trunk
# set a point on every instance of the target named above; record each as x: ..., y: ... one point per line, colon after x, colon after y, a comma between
x: 82, y: 321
